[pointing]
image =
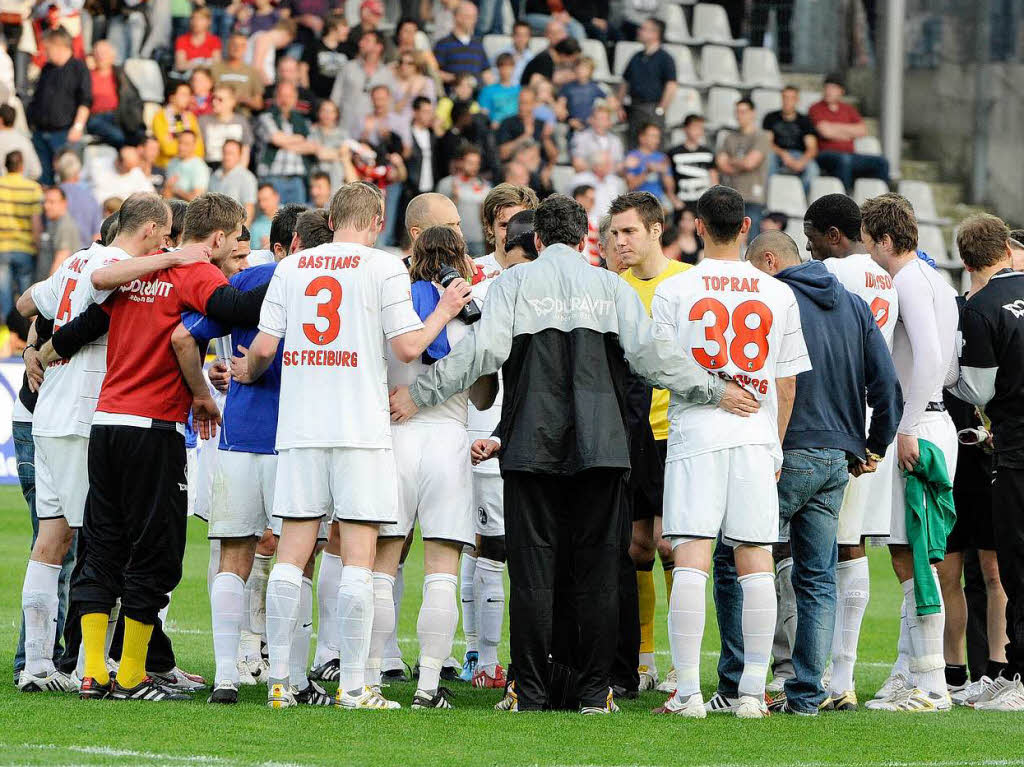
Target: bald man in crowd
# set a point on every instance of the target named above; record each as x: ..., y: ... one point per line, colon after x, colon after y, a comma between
x: 824, y: 443
x: 431, y: 209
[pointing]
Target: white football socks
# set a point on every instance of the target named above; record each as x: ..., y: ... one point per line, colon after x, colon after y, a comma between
x: 903, y: 647
x: 301, y: 636
x: 284, y: 589
x: 327, y: 581
x: 226, y: 603
x: 256, y: 594
x: 391, y: 655
x: 39, y: 605
x: 355, y: 623
x: 435, y: 627
x: 927, y: 662
x: 489, y: 586
x: 852, y: 593
x: 686, y: 627
x: 759, y: 613
x: 383, y: 624
x: 467, y: 572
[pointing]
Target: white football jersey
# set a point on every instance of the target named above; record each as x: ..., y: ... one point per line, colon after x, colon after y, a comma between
x: 71, y: 388
x: 335, y: 306
x: 482, y: 423
x: 743, y: 325
x: 859, y: 274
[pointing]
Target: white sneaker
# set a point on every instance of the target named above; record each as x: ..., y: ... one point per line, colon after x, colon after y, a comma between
x: 993, y: 690
x: 279, y: 694
x: 692, y: 707
x: 719, y: 704
x: 895, y: 684
x: 669, y: 683
x: 370, y: 700
x: 648, y: 678
x: 915, y: 701
x: 776, y: 686
x: 750, y: 707
x: 1010, y: 698
x: 180, y: 680
x: 51, y: 681
x: 253, y: 669
x: 967, y: 695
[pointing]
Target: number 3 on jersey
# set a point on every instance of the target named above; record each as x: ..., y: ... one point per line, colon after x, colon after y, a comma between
x: 749, y: 347
x: 326, y: 309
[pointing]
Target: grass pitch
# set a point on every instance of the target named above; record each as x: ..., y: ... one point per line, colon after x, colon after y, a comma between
x: 52, y: 729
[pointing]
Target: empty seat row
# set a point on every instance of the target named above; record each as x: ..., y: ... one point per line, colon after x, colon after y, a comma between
x: 710, y: 25
x: 717, y: 65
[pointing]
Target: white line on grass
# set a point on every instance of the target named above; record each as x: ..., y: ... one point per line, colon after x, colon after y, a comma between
x: 154, y: 757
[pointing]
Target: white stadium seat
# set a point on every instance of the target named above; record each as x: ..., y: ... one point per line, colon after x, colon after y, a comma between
x: 495, y: 44
x: 807, y: 100
x: 686, y: 72
x: 595, y: 49
x: 720, y: 110
x: 766, y: 100
x: 711, y: 25
x: 687, y: 101
x: 867, y: 145
x: 932, y: 242
x: 624, y: 51
x: 561, y: 178
x: 676, y: 30
x: 786, y: 194
x: 537, y: 44
x: 825, y: 185
x: 147, y: 78
x: 761, y: 68
x: 718, y: 66
x: 866, y: 188
x: 508, y: 17
x: 919, y: 194
x: 795, y: 229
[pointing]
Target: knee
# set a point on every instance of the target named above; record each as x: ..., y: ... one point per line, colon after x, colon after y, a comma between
x: 665, y: 550
x: 990, y: 574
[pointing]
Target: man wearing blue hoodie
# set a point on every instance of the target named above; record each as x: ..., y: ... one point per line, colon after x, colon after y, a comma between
x: 824, y: 444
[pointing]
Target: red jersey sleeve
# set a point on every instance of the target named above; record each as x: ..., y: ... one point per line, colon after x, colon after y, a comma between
x: 195, y: 284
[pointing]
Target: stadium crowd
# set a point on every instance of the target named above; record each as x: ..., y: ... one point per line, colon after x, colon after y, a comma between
x: 626, y: 327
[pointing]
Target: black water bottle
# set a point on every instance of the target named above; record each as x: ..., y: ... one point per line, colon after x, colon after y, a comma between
x: 470, y: 312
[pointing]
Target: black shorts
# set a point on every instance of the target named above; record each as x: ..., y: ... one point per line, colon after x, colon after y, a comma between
x: 648, y: 491
x: 972, y: 497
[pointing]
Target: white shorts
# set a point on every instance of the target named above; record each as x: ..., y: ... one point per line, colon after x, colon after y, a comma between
x: 62, y: 478
x: 936, y: 427
x: 242, y: 495
x: 489, y: 505
x: 435, y: 482
x: 191, y: 471
x: 206, y: 466
x: 731, y: 491
x: 345, y: 484
x: 867, y: 503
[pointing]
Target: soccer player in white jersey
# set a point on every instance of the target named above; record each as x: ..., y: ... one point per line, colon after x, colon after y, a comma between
x: 334, y: 307
x: 63, y: 419
x: 432, y: 453
x: 482, y: 583
x: 721, y: 470
x: 832, y: 227
x: 923, y: 350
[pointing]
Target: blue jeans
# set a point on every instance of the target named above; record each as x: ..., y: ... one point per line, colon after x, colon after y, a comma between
x: 25, y: 451
x: 538, y: 22
x: 221, y: 22
x: 490, y: 20
x: 810, y: 495
x: 289, y: 188
x: 16, y: 272
x: 810, y: 172
x: 47, y: 144
x: 106, y: 128
x: 848, y: 167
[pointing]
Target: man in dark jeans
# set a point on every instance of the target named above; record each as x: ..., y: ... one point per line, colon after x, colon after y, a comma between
x: 60, y: 106
x: 824, y: 443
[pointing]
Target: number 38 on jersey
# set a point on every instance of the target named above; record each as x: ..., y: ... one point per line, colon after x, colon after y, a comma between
x: 739, y: 336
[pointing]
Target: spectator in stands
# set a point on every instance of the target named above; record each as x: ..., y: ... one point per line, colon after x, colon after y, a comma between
x: 411, y: 82
x: 520, y: 49
x: 537, y: 13
x: 81, y: 204
x: 794, y: 144
x: 1017, y: 250
x: 462, y: 52
x: 491, y: 20
x: 288, y: 70
x: 172, y: 120
x: 421, y: 161
x: 371, y: 12
x: 264, y: 48
x: 693, y: 163
x: 21, y: 222
x: 579, y: 96
x: 525, y: 125
x: 783, y: 19
x: 597, y: 138
x: 556, y: 63
x: 286, y: 153
x: 548, y: 108
x: 647, y: 168
x: 223, y: 125
x: 320, y: 189
x: 260, y: 16
x: 462, y: 91
x: 528, y: 154
x: 59, y: 109
x: 188, y: 176
x: 237, y: 74
x: 234, y: 179
x: 450, y: 142
x: 383, y: 123
x: 351, y: 90
x: 635, y: 13
x: 147, y: 162
x: 116, y: 114
x: 467, y: 190
x: 584, y: 195
x: 837, y: 125
x: 649, y: 79
x: 59, y: 238
x: 326, y: 56
x: 268, y: 201
x: 501, y: 99
x: 594, y: 16
x: 774, y: 221
x: 202, y: 91
x: 603, y: 179
x: 444, y: 18
x: 330, y: 139
x: 684, y: 244
x: 743, y: 161
x: 516, y: 174
x: 199, y: 47
x: 11, y: 138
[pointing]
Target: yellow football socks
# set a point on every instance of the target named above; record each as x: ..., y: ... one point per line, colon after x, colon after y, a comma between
x: 133, y: 657
x: 669, y: 568
x: 646, y: 598
x: 94, y: 641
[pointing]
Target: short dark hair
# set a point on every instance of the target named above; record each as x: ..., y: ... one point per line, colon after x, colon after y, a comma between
x: 178, y: 208
x: 505, y: 58
x: 246, y: 235
x: 266, y: 185
x: 319, y: 175
x: 790, y: 87
x: 747, y: 101
x: 14, y: 161
x: 835, y: 78
x: 646, y: 205
x: 7, y: 115
x: 836, y: 210
x: 211, y: 212
x: 420, y: 101
x: 521, y: 23
x: 521, y: 230
x: 375, y: 34
x: 644, y: 127
x: 467, y: 148
x: 1017, y: 235
x: 692, y: 118
x: 56, y: 189
x: 312, y: 228
x: 890, y: 214
x: 234, y: 141
x: 660, y: 26
x: 561, y: 220
x: 283, y: 226
x: 581, y: 190
x: 722, y: 211
x: 778, y: 217
x: 981, y: 240
x: 570, y: 46
x: 57, y: 35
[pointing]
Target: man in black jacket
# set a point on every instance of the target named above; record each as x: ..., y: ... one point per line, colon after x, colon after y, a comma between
x: 562, y: 333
